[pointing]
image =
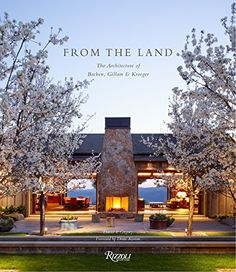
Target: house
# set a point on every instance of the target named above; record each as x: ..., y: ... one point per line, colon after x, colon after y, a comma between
x: 126, y: 162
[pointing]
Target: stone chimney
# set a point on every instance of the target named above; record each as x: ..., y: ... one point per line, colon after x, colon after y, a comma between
x: 117, y: 187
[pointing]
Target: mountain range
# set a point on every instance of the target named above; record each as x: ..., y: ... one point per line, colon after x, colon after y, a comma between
x: 149, y: 194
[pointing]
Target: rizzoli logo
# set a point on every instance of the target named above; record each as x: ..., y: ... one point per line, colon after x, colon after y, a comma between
x: 117, y: 257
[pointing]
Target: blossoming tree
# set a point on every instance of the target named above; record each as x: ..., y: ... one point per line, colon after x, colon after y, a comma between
x: 210, y: 76
x: 37, y: 116
x: 203, y: 117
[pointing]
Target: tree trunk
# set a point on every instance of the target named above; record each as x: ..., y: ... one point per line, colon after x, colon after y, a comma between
x: 42, y: 213
x: 190, y: 216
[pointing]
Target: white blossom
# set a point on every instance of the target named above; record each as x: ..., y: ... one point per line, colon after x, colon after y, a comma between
x: 203, y: 116
x: 37, y: 116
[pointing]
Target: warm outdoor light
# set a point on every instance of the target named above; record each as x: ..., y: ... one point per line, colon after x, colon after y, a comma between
x: 158, y: 174
x: 150, y: 166
x: 170, y: 167
x: 181, y: 194
x: 144, y: 174
x: 116, y: 203
x: 168, y: 174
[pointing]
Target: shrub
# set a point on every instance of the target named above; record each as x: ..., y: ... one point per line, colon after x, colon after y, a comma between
x: 162, y: 217
x: 69, y: 217
x: 7, y: 210
x: 170, y: 220
x: 6, y: 224
x: 21, y: 209
x: 12, y: 209
x: 6, y: 221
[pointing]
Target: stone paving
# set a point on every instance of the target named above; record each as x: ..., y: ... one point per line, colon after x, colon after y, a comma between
x: 201, y: 225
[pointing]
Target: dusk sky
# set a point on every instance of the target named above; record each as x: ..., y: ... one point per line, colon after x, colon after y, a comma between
x: 131, y: 25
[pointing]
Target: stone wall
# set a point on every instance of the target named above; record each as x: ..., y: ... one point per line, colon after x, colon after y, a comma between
x: 118, y: 175
x: 67, y: 244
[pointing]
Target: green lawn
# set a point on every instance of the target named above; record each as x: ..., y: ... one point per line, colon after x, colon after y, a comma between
x: 138, y: 234
x: 116, y: 234
x: 138, y: 262
x: 13, y: 234
x: 220, y: 233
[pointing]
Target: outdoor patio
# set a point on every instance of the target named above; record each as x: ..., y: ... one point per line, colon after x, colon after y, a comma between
x: 201, y: 225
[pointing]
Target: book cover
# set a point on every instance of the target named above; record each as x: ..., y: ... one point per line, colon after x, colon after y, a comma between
x: 124, y: 54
